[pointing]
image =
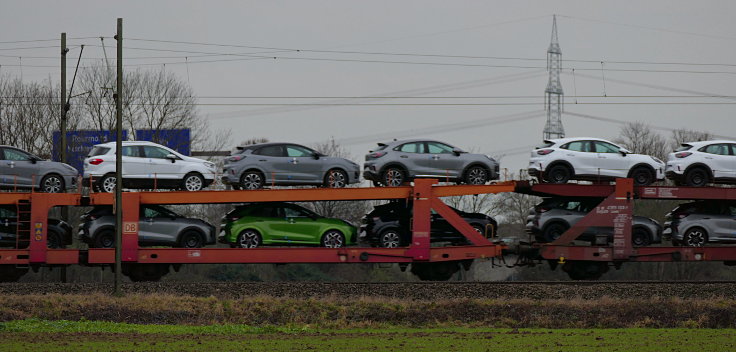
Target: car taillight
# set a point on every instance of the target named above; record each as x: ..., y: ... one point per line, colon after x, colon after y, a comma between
x: 683, y: 154
x: 96, y: 161
x: 236, y: 158
x: 377, y: 154
x: 542, y: 210
x: 233, y: 218
x: 681, y: 215
x: 544, y: 151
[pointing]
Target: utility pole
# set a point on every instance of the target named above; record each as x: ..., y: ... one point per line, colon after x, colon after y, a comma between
x: 62, y: 129
x: 119, y: 164
x: 553, y: 129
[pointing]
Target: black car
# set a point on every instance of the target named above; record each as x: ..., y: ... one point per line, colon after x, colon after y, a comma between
x: 388, y: 225
x: 58, y: 233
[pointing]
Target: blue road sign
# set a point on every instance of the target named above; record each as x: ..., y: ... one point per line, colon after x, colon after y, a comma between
x: 79, y: 143
x: 179, y: 140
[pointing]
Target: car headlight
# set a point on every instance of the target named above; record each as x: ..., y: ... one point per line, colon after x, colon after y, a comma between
x: 209, y: 165
x: 348, y: 223
x: 71, y: 168
x: 657, y: 160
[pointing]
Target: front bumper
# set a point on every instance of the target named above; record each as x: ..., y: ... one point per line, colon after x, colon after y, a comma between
x: 370, y: 172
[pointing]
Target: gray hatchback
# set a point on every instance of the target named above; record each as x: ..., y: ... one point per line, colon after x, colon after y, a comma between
x: 157, y: 226
x: 697, y: 223
x: 397, y: 162
x: 21, y: 169
x: 550, y: 219
x: 286, y: 164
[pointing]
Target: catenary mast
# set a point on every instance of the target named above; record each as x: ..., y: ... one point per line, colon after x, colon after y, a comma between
x: 553, y: 93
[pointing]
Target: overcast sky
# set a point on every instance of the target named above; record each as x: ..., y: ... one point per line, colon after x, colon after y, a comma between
x: 471, y: 73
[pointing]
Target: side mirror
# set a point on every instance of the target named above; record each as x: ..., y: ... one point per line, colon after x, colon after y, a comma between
x: 33, y: 160
x: 316, y: 155
x: 624, y: 151
x: 171, y: 157
x: 457, y: 151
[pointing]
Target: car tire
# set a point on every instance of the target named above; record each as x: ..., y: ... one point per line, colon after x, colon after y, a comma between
x: 553, y: 231
x: 558, y: 174
x: 476, y: 175
x: 104, y: 239
x: 390, y: 238
x: 393, y: 176
x: 52, y: 184
x: 336, y: 178
x: 642, y: 176
x: 191, y: 239
x: 54, y: 240
x: 249, y: 239
x: 192, y: 182
x: 106, y: 184
x: 697, y: 177
x: 695, y: 237
x: 640, y: 237
x: 252, y: 180
x: 333, y: 239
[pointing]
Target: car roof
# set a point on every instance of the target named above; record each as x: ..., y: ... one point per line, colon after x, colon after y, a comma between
x: 258, y: 145
x: 402, y: 141
x: 127, y: 143
x: 572, y: 139
x: 715, y: 141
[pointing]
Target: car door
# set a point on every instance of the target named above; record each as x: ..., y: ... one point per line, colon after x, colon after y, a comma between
x: 731, y: 212
x: 610, y: 160
x: 302, y: 225
x: 720, y: 160
x: 159, y: 167
x: 20, y: 168
x: 273, y: 161
x: 413, y: 156
x: 135, y: 165
x: 443, y: 162
x: 304, y: 167
x: 582, y: 157
x: 158, y: 225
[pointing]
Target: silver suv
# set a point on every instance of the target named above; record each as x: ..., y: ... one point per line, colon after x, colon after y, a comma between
x: 21, y: 169
x: 397, y: 162
x: 286, y: 164
x: 698, y: 223
x: 157, y: 226
x: 550, y: 219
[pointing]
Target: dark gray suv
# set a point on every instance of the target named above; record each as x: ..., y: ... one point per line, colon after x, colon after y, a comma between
x: 286, y: 164
x: 21, y: 169
x: 697, y: 223
x: 394, y: 163
x: 550, y: 219
x: 157, y: 226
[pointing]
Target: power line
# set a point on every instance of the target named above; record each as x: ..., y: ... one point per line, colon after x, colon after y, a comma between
x: 713, y: 36
x: 620, y: 122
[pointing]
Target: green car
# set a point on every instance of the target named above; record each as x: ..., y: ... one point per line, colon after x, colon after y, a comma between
x: 257, y: 224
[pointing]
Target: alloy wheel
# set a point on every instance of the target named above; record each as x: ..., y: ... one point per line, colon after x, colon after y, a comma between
x: 390, y: 239
x: 52, y: 184
x: 252, y: 180
x: 393, y: 177
x: 249, y: 239
x: 108, y: 184
x: 477, y: 176
x: 695, y: 238
x: 336, y: 179
x: 333, y: 239
x: 193, y: 183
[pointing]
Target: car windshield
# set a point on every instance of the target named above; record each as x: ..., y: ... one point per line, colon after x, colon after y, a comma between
x: 683, y: 148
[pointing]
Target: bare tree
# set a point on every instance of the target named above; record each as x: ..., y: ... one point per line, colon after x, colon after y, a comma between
x: 640, y: 138
x: 683, y: 136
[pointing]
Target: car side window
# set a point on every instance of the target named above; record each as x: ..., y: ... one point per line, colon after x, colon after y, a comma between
x: 155, y: 152
x: 16, y: 155
x: 578, y: 146
x: 263, y: 212
x: 150, y: 213
x: 603, y: 147
x: 718, y: 149
x: 290, y: 212
x: 297, y: 151
x: 416, y: 147
x: 572, y: 206
x: 732, y: 210
x: 438, y: 148
x: 6, y: 213
x: 271, y: 150
x: 133, y: 151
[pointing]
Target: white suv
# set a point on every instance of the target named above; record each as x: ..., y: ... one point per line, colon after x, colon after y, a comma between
x: 146, y: 165
x: 583, y: 158
x: 699, y: 163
